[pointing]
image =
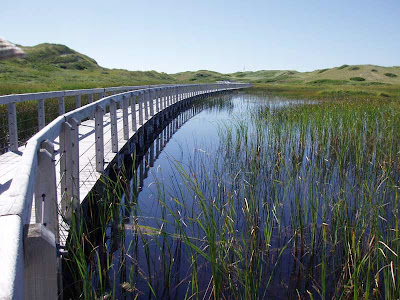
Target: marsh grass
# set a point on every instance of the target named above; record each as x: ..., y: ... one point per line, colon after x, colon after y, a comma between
x: 299, y: 202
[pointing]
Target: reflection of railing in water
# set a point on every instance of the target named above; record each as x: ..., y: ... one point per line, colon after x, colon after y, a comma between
x: 147, y: 156
x: 135, y: 168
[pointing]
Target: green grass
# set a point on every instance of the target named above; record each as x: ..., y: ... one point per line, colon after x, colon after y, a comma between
x: 56, y: 67
x: 300, y: 202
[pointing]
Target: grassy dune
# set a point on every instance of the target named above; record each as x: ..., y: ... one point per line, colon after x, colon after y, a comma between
x: 55, y: 67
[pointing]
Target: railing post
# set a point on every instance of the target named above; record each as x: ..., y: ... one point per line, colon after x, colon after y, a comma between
x: 157, y: 95
x: 46, y: 205
x: 99, y: 131
x: 140, y: 108
x: 78, y: 101
x: 151, y: 101
x: 125, y: 117
x: 114, y: 129
x: 75, y: 162
x: 61, y: 106
x: 66, y: 171
x: 161, y: 95
x: 146, y: 104
x: 167, y: 91
x: 90, y: 98
x: 133, y: 112
x: 41, y: 114
x: 12, y: 126
x: 166, y: 97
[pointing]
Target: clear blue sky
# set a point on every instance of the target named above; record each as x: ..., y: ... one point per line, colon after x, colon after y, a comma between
x: 225, y: 36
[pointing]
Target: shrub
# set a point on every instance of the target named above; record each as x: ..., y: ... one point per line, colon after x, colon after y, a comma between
x: 328, y: 81
x: 323, y: 70
x: 342, y: 67
x: 383, y: 94
x: 357, y: 79
x: 390, y: 75
x: 354, y: 68
x: 374, y: 70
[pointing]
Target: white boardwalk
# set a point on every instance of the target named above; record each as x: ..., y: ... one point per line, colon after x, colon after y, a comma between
x: 61, y: 164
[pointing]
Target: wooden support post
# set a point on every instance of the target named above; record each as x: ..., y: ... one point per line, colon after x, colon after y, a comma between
x: 78, y: 101
x: 61, y: 106
x: 165, y: 104
x: 12, y: 126
x: 41, y: 114
x: 75, y: 162
x: 151, y: 102
x: 125, y: 117
x: 114, y: 128
x: 46, y: 205
x: 40, y: 261
x: 99, y: 137
x: 133, y: 112
x: 66, y: 170
x: 161, y: 100
x: 157, y: 99
x: 146, y: 104
x: 140, y: 108
x: 91, y: 97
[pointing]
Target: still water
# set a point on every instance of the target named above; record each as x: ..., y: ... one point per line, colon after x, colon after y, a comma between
x: 152, y: 260
x: 234, y: 199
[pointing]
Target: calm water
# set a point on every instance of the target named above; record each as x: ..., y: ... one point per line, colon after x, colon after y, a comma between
x: 149, y: 252
x: 253, y: 197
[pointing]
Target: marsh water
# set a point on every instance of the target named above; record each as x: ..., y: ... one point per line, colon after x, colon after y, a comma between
x: 232, y: 199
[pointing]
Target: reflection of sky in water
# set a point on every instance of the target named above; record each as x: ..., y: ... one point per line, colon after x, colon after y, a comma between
x: 199, y: 136
x: 196, y: 142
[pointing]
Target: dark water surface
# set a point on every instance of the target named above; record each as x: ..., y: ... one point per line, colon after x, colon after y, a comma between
x: 246, y: 196
x: 162, y: 260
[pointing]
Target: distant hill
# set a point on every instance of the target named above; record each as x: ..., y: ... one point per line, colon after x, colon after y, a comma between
x: 53, y: 66
x: 57, y: 67
x: 366, y: 74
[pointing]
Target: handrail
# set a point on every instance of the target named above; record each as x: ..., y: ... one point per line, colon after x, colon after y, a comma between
x: 13, y: 99
x: 19, y: 199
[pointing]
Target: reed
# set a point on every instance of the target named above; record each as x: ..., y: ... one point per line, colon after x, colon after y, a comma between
x: 299, y: 202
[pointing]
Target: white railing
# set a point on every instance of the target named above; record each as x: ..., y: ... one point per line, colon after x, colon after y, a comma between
x: 12, y: 100
x: 36, y: 171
